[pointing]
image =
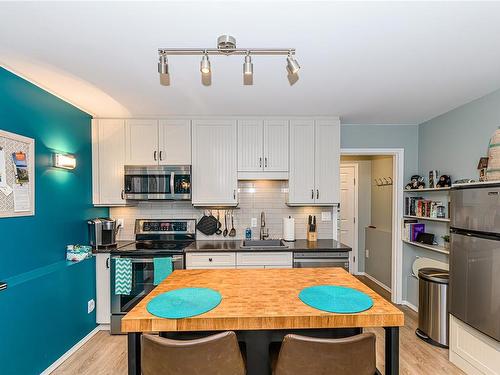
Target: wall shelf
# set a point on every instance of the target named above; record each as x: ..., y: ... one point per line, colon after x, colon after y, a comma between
x: 436, y: 248
x: 427, y: 218
x: 428, y: 190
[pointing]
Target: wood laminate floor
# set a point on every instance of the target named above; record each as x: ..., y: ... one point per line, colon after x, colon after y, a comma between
x: 107, y: 355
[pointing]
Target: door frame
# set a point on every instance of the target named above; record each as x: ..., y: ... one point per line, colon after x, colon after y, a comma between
x: 354, y: 269
x: 397, y: 212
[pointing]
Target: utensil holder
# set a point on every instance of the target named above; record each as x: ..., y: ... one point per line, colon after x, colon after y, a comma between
x: 312, y: 236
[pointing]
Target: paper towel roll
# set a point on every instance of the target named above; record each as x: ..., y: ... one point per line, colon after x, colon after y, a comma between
x: 288, y: 229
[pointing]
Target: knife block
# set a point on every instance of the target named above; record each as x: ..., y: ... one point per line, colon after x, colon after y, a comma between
x: 312, y: 236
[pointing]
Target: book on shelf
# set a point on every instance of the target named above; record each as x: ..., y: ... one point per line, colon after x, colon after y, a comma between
x: 418, y: 206
x: 411, y: 229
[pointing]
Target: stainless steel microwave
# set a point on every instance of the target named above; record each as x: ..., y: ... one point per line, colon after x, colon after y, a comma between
x: 158, y: 182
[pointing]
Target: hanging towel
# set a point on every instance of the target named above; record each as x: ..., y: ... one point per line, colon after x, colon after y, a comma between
x: 123, y: 276
x: 162, y: 269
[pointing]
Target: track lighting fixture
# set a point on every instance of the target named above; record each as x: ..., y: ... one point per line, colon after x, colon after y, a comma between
x: 248, y: 70
x: 226, y: 45
x: 205, y: 64
x: 163, y: 70
x: 292, y: 65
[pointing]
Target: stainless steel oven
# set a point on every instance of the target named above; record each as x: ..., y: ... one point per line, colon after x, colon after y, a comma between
x: 321, y: 259
x: 142, y: 284
x: 158, y: 182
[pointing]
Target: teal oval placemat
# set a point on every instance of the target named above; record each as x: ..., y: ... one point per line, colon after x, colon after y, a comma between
x: 336, y: 299
x: 184, y: 303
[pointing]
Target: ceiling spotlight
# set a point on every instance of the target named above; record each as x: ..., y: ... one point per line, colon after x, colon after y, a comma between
x: 163, y: 65
x: 205, y: 64
x: 292, y: 65
x: 248, y: 70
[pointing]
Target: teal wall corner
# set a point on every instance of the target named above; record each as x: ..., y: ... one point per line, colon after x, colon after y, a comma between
x: 44, y: 316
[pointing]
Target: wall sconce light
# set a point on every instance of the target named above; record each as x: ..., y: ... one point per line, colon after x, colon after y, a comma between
x: 65, y: 161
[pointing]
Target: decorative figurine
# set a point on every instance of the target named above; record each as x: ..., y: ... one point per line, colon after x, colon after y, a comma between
x: 417, y: 182
x: 433, y: 177
x: 444, y: 181
x: 482, y: 167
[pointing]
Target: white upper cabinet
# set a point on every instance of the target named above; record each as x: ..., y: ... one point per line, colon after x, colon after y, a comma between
x: 108, y: 159
x: 263, y: 148
x: 141, y: 142
x: 314, y: 162
x: 214, y: 164
x: 250, y: 146
x: 327, y: 162
x: 276, y: 143
x: 301, y: 181
x: 174, y: 142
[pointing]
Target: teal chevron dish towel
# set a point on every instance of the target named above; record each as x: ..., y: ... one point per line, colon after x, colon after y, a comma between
x: 163, y: 268
x: 123, y: 276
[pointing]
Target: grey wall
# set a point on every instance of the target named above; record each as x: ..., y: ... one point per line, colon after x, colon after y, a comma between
x: 453, y: 142
x: 384, y: 136
x: 381, y: 210
x: 379, y: 246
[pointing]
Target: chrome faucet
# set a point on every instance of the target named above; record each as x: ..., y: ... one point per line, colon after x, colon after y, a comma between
x: 264, y: 232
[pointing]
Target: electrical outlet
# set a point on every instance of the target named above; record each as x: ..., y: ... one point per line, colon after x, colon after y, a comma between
x: 90, y: 306
x: 326, y: 216
x: 254, y: 222
x: 120, y: 223
x: 367, y: 253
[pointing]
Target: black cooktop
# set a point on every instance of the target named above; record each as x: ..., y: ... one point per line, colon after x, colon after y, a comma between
x: 153, y: 248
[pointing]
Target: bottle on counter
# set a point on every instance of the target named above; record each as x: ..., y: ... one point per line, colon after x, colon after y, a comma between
x: 248, y: 234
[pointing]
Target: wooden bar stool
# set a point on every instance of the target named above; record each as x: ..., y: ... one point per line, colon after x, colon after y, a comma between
x: 218, y: 354
x: 301, y: 355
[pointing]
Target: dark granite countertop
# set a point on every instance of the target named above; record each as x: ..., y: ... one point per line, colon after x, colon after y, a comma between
x: 118, y: 245
x: 296, y: 246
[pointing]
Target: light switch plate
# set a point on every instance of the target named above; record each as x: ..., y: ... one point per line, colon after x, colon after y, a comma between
x: 367, y: 253
x: 326, y: 216
x: 120, y: 223
x: 254, y: 222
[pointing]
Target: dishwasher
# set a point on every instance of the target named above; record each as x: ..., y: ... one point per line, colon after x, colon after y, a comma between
x: 321, y: 259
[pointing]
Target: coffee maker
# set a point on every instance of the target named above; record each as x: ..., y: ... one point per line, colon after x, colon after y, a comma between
x: 102, y: 233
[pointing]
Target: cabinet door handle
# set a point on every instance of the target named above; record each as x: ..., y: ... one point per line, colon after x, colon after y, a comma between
x: 234, y: 194
x: 265, y: 162
x: 312, y: 193
x: 122, y: 194
x: 161, y: 155
x: 260, y: 162
x: 154, y: 155
x: 209, y: 259
x: 317, y: 193
x: 107, y: 262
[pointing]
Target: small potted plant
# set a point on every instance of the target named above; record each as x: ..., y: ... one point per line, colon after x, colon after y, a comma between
x: 446, y: 239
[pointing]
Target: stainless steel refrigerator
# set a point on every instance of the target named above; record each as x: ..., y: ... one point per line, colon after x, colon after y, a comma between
x: 474, y: 294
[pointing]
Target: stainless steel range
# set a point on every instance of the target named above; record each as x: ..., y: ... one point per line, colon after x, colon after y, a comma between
x: 155, y: 238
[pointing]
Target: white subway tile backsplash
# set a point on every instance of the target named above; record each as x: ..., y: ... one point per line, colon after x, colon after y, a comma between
x: 254, y: 197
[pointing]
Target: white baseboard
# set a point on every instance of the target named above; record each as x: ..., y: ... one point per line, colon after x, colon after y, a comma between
x: 375, y: 281
x: 75, y: 347
x: 410, y: 305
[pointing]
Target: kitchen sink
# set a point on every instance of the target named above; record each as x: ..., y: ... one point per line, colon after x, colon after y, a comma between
x: 263, y: 244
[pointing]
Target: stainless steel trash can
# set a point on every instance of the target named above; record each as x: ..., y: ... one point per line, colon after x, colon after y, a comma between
x: 432, y: 306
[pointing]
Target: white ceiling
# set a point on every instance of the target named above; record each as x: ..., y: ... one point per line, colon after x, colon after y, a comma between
x: 373, y: 62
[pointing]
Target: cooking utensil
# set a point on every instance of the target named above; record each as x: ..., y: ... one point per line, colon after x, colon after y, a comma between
x: 225, y: 225
x: 313, y: 225
x: 207, y: 224
x: 219, y: 224
x: 310, y: 223
x: 232, y: 232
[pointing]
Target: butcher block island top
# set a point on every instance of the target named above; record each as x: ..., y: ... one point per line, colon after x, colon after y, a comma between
x: 262, y: 299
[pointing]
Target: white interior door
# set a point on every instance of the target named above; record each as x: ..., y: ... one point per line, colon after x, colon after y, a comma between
x: 348, y: 211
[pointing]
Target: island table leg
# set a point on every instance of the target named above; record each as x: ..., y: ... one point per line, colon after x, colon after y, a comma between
x: 134, y: 353
x: 391, y: 350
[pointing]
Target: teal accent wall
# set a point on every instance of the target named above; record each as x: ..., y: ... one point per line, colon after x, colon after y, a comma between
x: 43, y: 313
x: 453, y: 142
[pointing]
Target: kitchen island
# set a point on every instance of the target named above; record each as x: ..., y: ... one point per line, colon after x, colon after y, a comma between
x: 261, y: 306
